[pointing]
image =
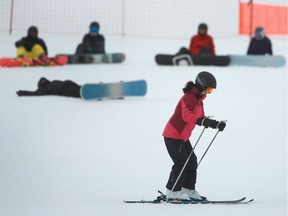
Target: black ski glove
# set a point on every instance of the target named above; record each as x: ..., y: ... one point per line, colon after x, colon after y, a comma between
x: 214, y: 124
x: 27, y: 93
x: 218, y: 125
x: 19, y: 43
x: 221, y: 126
x: 206, y: 122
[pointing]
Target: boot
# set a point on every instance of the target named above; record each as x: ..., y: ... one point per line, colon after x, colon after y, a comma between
x: 192, y: 194
x: 179, y: 195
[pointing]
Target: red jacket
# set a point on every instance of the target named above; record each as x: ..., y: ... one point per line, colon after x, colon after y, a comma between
x: 187, y: 111
x: 198, y: 41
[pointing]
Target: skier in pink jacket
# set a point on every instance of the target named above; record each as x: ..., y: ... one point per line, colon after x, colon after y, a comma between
x: 188, y: 112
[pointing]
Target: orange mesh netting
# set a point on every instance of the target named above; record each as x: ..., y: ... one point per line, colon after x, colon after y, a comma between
x: 272, y: 18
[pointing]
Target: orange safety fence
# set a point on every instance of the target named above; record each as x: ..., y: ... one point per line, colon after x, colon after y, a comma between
x: 272, y: 18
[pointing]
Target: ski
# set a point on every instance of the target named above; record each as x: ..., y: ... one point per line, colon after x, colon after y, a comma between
x: 237, y: 201
x: 158, y: 201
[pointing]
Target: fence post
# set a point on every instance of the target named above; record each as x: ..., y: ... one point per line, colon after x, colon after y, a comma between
x: 11, y: 17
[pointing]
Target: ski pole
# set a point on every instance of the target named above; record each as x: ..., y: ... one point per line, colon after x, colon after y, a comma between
x: 193, y: 149
x: 209, y: 146
x: 188, y: 159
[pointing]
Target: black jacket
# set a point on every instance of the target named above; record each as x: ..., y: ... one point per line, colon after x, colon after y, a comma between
x: 94, y: 43
x: 260, y: 47
x: 62, y: 88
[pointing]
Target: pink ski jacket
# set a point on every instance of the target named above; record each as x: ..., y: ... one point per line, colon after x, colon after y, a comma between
x: 183, y: 120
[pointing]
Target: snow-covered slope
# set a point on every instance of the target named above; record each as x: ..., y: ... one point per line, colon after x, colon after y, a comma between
x: 65, y: 156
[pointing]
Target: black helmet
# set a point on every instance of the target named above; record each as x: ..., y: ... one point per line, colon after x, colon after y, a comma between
x: 94, y: 27
x: 33, y: 29
x: 204, y: 80
x: 202, y: 29
x: 260, y: 32
x: 203, y: 26
x: 95, y: 24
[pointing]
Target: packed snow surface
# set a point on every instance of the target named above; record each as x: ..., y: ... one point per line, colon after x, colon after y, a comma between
x: 64, y: 156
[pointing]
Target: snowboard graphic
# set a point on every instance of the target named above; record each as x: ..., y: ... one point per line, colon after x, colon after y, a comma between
x: 95, y: 58
x: 113, y: 90
x: 258, y: 60
x: 187, y: 59
x: 31, y: 62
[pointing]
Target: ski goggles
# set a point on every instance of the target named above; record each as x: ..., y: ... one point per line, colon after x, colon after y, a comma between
x: 209, y: 90
x: 94, y: 29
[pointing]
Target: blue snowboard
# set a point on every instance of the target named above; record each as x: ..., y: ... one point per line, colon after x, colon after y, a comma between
x: 113, y: 90
x: 258, y: 60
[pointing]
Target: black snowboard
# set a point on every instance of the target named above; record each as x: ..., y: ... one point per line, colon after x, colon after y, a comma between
x: 107, y: 58
x: 187, y: 59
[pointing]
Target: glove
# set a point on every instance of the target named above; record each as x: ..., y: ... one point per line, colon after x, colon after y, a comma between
x: 21, y: 93
x: 19, y: 43
x: 206, y: 122
x: 214, y: 124
x: 221, y: 126
x: 27, y: 93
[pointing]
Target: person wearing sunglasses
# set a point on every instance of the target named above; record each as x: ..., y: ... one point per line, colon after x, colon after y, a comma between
x: 93, y: 42
x: 188, y: 113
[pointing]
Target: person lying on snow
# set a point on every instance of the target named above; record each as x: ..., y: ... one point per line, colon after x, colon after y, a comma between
x: 56, y: 87
x: 66, y: 88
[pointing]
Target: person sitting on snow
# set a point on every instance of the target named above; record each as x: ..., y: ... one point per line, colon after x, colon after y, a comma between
x: 201, y: 44
x: 260, y: 44
x: 93, y: 42
x: 31, y: 46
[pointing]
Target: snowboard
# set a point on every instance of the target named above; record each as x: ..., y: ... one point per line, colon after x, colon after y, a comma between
x: 187, y: 59
x: 95, y: 58
x: 113, y: 90
x: 32, y: 62
x: 258, y: 60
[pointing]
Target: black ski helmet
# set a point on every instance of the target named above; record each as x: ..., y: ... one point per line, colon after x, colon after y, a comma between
x: 94, y: 27
x: 94, y: 24
x: 204, y: 80
x: 202, y: 29
x: 203, y: 26
x: 260, y: 32
x: 32, y: 29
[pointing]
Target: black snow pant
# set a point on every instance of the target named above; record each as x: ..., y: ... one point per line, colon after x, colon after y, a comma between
x: 179, y: 151
x: 62, y: 88
x: 203, y: 51
x: 84, y: 49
